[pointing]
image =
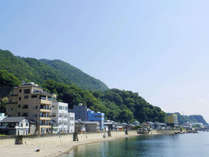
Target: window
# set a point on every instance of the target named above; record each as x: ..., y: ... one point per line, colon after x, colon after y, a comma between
x: 26, y: 91
x: 19, y: 106
x: 26, y: 97
x: 36, y: 107
x: 34, y: 96
x: 25, y: 107
x: 19, y: 98
x: 43, y: 97
x: 25, y: 114
x: 20, y: 90
x: 18, y: 114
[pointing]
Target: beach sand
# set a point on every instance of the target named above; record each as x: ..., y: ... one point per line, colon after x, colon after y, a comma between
x: 53, y: 146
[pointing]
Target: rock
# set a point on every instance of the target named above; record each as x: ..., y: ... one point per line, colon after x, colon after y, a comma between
x: 37, y: 150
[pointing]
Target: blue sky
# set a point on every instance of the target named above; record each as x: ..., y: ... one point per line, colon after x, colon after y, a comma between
x: 157, y: 48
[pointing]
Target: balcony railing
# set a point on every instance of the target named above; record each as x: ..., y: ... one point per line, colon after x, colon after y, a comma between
x: 45, y: 107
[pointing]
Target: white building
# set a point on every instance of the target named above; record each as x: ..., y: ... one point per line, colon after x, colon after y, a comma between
x: 60, y: 117
x: 2, y: 116
x: 14, y: 126
x: 71, y: 122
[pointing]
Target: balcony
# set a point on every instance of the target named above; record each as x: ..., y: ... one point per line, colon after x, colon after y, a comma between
x: 45, y: 102
x: 45, y: 108
x: 12, y: 102
x: 45, y: 118
x: 45, y: 126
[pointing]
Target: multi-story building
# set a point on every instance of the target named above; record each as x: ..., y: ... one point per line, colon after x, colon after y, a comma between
x: 85, y: 114
x: 30, y: 101
x: 60, y: 117
x: 96, y: 116
x: 80, y: 112
x: 172, y: 119
x: 71, y: 122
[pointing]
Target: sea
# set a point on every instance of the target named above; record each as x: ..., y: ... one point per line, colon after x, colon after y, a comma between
x: 182, y: 145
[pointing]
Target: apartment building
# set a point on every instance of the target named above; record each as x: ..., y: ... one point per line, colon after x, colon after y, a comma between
x: 172, y: 120
x: 60, y: 117
x: 32, y: 102
x: 71, y: 122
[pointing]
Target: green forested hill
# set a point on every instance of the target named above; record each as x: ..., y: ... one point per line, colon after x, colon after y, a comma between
x: 76, y: 76
x: 73, y: 87
x: 190, y: 118
x: 118, y: 105
x: 30, y: 69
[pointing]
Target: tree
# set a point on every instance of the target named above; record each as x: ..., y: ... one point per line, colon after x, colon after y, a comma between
x: 3, y: 103
x: 126, y: 115
x: 7, y: 79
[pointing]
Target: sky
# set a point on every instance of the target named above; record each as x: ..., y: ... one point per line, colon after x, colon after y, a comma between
x: 159, y: 49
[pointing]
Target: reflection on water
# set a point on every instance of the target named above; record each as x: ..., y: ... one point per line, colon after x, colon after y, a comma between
x: 188, y: 145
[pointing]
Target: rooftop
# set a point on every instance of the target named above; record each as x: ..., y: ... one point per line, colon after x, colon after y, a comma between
x: 12, y: 119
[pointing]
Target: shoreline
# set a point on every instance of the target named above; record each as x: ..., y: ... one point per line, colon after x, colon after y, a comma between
x: 96, y: 141
x: 56, y: 146
x: 153, y: 133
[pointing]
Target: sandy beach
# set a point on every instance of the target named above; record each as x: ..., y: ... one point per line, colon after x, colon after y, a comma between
x: 53, y: 146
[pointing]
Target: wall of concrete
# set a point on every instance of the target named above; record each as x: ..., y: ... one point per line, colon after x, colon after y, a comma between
x: 64, y: 139
x: 163, y: 132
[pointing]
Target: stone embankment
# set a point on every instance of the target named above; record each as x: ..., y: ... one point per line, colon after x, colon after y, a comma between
x: 164, y: 132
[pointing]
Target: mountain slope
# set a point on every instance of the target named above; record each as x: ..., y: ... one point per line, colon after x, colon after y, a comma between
x: 191, y: 118
x: 76, y: 76
x: 30, y: 69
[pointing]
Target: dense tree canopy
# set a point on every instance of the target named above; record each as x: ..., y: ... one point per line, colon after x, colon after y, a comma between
x: 118, y: 105
x: 190, y: 118
x: 74, y: 86
x: 7, y: 79
x: 128, y: 104
x: 31, y: 69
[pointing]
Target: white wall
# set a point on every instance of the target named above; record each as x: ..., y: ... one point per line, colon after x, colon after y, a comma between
x: 71, y: 122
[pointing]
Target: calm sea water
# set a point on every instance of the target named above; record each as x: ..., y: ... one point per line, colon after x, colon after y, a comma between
x: 186, y: 145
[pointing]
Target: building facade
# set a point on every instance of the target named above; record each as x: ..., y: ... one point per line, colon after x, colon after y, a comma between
x: 85, y: 114
x: 80, y: 112
x: 2, y: 116
x: 71, y: 122
x: 60, y: 117
x: 30, y: 101
x: 86, y: 126
x: 96, y: 116
x: 14, y: 126
x: 172, y: 120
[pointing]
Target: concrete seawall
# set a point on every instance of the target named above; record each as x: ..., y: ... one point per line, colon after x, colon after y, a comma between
x: 163, y: 132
